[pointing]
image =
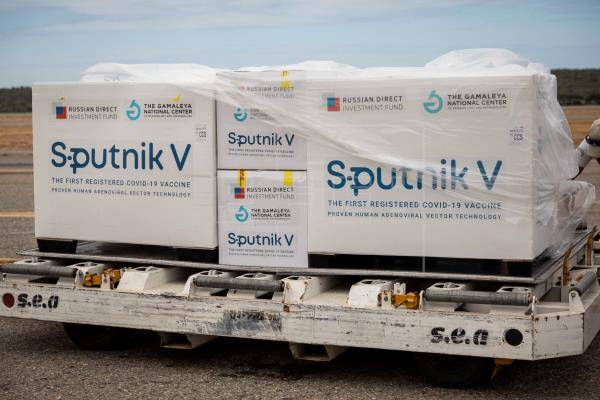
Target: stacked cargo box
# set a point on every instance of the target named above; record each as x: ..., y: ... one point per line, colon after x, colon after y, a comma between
x: 450, y: 162
x: 262, y: 174
x: 125, y: 162
x: 453, y: 163
x: 442, y: 166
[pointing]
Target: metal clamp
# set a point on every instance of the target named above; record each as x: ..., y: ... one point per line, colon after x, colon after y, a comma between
x: 408, y: 300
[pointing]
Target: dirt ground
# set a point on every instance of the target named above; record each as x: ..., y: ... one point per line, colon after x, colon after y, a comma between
x: 16, y: 131
x: 580, y: 118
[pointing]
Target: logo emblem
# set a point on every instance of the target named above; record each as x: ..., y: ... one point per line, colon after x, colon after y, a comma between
x: 134, y: 112
x: 242, y: 214
x: 61, y: 111
x: 435, y: 105
x: 239, y: 192
x: 240, y: 115
x: 333, y: 104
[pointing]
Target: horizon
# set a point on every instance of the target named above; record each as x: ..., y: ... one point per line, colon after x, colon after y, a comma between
x: 56, y: 41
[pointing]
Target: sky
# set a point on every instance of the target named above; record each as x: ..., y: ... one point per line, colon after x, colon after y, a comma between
x: 43, y: 40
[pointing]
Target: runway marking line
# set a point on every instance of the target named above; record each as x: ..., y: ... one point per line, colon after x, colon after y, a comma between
x: 17, y: 214
x: 15, y: 171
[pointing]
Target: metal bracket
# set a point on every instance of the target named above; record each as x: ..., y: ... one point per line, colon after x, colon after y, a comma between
x: 575, y: 303
x: 181, y: 341
x: 409, y: 300
x: 136, y: 280
x: 85, y: 272
x: 367, y: 293
x: 312, y: 352
x: 297, y: 289
x: 191, y: 289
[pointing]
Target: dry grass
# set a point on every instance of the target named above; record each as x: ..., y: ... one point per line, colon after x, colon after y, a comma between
x: 15, y: 129
x: 580, y: 118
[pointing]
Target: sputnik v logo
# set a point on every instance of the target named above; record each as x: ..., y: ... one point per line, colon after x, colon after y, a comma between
x: 134, y: 112
x: 434, y: 106
x: 242, y: 214
x: 240, y: 115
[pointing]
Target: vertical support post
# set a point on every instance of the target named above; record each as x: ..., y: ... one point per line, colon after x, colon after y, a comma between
x: 565, y: 268
x: 589, y: 250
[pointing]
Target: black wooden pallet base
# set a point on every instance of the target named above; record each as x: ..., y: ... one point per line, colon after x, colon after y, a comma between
x: 319, y: 264
x: 175, y: 253
x: 428, y: 264
x: 332, y: 261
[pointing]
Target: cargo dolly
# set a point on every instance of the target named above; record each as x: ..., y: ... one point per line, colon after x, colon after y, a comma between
x: 462, y: 327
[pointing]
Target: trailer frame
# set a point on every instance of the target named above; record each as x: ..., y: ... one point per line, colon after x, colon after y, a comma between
x: 555, y: 313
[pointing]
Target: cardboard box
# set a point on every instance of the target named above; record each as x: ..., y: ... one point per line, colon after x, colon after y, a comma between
x: 249, y: 138
x: 262, y: 218
x: 125, y: 162
x: 452, y: 167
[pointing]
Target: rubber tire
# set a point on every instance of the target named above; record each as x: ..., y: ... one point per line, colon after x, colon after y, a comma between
x: 99, y: 338
x: 455, y: 371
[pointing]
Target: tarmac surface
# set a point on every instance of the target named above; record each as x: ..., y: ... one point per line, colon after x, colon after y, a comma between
x: 39, y: 362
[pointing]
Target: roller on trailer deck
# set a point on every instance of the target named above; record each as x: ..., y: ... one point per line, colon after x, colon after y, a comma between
x: 461, y: 327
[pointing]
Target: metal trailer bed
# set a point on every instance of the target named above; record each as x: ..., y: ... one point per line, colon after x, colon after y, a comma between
x: 488, y: 319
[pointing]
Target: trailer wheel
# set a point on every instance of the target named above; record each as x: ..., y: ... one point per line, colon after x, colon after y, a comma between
x: 455, y: 371
x: 99, y: 338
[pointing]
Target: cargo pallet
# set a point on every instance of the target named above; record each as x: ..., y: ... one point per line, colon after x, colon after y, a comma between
x: 461, y: 327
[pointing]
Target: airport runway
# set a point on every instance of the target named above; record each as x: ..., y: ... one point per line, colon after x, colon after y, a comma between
x: 39, y: 362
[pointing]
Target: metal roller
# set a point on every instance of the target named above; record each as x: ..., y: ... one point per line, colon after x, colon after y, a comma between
x: 585, y: 282
x: 238, y: 283
x: 41, y: 270
x: 478, y: 297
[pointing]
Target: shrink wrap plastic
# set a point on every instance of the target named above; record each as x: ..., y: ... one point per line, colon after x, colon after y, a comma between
x: 413, y: 132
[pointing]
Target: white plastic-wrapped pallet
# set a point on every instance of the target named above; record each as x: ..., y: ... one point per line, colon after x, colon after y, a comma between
x: 125, y: 162
x: 470, y: 156
x: 467, y: 157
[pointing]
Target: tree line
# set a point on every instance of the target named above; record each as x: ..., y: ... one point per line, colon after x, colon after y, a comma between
x: 575, y: 87
x: 15, y: 100
x: 578, y: 86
